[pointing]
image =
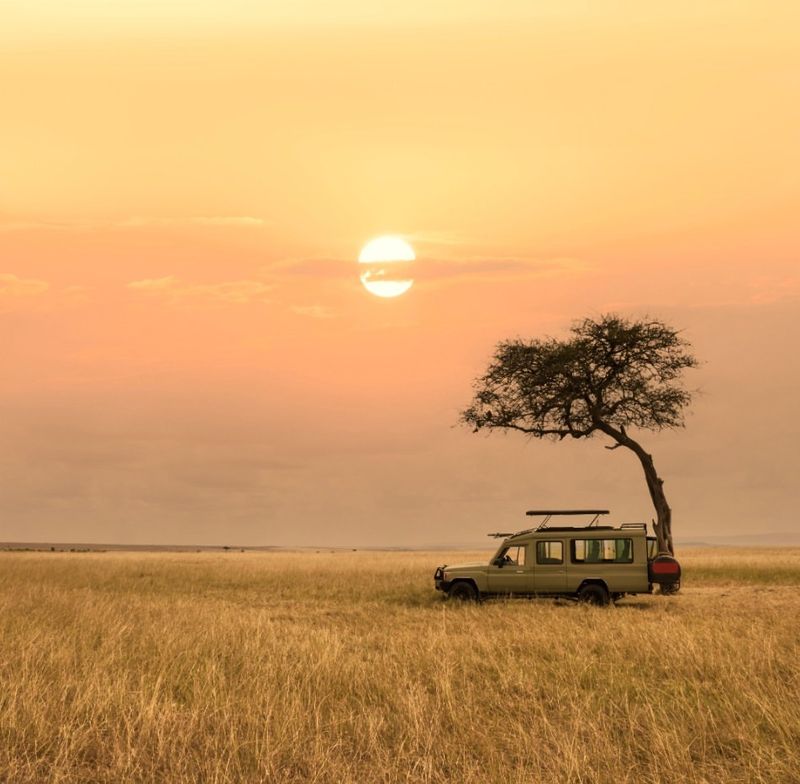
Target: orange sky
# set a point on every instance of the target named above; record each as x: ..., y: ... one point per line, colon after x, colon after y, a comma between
x: 187, y: 352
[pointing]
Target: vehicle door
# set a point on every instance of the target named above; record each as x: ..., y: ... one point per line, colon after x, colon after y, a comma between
x: 610, y: 559
x: 510, y: 571
x: 549, y: 569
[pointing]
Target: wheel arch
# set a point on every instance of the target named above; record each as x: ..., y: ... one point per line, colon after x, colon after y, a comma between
x: 593, y: 581
x: 470, y: 580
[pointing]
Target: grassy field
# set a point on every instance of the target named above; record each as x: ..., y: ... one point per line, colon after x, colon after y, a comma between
x: 347, y: 667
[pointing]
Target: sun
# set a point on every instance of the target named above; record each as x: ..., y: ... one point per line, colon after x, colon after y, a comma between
x: 385, y: 263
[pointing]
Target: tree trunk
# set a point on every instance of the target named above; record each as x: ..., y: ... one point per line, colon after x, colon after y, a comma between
x: 662, y: 525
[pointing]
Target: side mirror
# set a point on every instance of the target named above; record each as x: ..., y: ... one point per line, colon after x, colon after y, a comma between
x: 498, y: 562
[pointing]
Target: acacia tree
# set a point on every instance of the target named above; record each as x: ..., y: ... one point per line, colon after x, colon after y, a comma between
x: 610, y: 375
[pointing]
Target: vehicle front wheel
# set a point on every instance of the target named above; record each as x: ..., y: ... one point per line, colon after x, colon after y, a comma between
x: 463, y: 592
x: 593, y: 594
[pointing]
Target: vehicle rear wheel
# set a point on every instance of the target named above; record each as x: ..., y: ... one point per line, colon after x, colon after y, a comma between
x: 670, y: 588
x: 463, y: 592
x: 593, y: 594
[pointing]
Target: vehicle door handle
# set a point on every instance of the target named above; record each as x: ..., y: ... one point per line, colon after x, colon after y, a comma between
x: 520, y: 571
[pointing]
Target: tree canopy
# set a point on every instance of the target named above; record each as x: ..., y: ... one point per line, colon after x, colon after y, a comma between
x: 609, y: 372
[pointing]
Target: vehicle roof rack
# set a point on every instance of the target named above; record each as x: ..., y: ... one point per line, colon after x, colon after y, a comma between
x: 567, y: 512
x: 572, y: 528
x: 548, y: 513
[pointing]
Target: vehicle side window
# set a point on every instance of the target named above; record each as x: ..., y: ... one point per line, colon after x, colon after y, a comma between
x: 602, y: 551
x: 514, y: 555
x: 549, y: 552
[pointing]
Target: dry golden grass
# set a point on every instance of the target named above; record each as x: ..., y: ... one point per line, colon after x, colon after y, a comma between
x: 347, y: 667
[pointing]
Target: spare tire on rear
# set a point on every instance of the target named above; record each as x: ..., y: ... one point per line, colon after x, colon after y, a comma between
x: 664, y: 570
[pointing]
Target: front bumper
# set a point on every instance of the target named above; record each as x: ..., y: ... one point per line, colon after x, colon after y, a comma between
x: 439, y: 582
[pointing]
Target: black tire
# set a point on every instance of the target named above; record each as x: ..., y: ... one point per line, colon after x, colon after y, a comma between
x: 463, y: 592
x: 594, y: 594
x: 670, y: 589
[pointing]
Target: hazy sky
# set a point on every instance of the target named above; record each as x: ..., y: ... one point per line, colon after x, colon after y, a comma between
x: 188, y: 355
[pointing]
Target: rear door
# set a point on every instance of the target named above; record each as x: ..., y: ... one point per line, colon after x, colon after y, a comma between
x: 620, y: 561
x: 515, y: 575
x: 549, y: 568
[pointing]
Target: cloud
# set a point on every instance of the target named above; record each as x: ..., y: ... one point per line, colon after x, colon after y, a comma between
x: 445, y: 238
x: 767, y: 291
x: 246, y: 221
x: 154, y: 284
x: 440, y: 270
x: 497, y: 268
x: 313, y: 311
x: 324, y: 268
x: 28, y: 225
x: 18, y: 294
x: 134, y: 222
x: 13, y: 286
x: 174, y: 290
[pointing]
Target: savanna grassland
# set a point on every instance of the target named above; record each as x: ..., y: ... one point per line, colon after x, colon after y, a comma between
x: 348, y: 667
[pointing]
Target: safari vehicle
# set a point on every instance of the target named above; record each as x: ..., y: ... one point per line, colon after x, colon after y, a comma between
x: 592, y: 563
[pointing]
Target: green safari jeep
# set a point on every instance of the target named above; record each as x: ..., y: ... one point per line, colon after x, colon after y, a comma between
x: 592, y: 563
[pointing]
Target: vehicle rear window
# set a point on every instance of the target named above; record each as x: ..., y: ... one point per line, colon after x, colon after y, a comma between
x: 602, y: 551
x: 549, y: 552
